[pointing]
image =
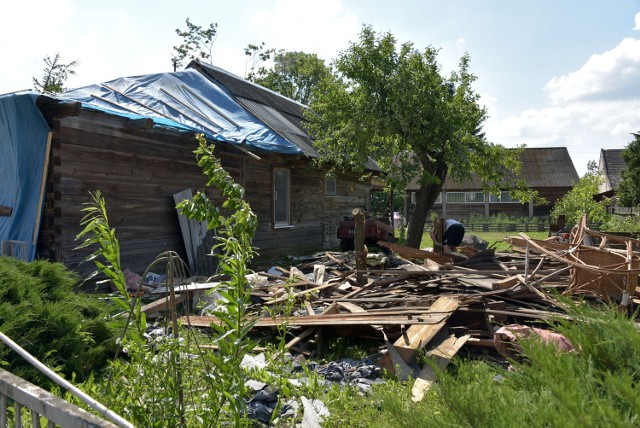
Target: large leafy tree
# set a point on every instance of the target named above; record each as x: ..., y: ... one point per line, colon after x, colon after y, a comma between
x: 294, y: 74
x: 55, y: 75
x: 391, y: 103
x: 197, y: 43
x: 579, y: 200
x: 629, y: 187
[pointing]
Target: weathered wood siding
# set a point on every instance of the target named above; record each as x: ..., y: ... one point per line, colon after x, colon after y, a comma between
x: 350, y: 193
x: 139, y: 170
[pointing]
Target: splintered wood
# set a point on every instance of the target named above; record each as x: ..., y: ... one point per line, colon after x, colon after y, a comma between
x: 415, y: 300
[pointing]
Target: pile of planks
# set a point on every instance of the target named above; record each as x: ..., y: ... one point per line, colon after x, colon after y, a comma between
x: 408, y: 300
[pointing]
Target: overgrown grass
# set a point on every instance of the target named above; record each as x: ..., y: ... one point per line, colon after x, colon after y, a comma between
x: 596, y: 385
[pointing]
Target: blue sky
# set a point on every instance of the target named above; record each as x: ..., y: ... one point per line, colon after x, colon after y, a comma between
x: 551, y: 73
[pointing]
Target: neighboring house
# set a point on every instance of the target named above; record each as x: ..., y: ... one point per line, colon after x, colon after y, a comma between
x: 610, y: 166
x: 549, y: 171
x: 133, y: 139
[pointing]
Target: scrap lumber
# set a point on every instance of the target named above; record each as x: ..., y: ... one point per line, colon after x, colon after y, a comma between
x: 162, y: 304
x: 340, y: 319
x: 5, y: 211
x: 442, y: 355
x: 418, y: 336
x: 414, y: 253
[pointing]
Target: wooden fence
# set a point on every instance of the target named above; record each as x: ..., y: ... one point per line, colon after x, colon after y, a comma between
x: 499, y: 227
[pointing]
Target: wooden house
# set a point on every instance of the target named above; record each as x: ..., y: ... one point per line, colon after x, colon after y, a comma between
x: 549, y: 171
x: 133, y: 139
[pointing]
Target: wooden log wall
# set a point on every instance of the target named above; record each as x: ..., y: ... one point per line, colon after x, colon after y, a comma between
x: 138, y: 170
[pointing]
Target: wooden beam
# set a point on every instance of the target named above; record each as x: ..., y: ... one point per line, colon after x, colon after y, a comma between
x: 5, y: 211
x: 418, y: 336
x: 43, y: 182
x: 441, y: 355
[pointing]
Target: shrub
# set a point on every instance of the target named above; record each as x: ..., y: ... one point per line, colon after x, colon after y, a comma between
x: 40, y: 311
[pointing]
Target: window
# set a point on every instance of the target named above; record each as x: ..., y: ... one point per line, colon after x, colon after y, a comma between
x: 455, y: 197
x: 281, y: 197
x: 465, y: 197
x: 414, y: 198
x: 330, y: 186
x: 503, y: 198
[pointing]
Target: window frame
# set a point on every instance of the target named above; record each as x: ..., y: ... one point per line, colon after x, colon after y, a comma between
x: 281, y: 222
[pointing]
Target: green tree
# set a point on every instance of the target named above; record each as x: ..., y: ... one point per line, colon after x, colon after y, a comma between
x: 579, y: 200
x: 256, y: 56
x: 393, y: 105
x: 54, y: 76
x: 629, y: 187
x: 294, y: 74
x: 197, y: 43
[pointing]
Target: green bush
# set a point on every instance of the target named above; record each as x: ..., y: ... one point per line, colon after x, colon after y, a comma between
x: 40, y: 311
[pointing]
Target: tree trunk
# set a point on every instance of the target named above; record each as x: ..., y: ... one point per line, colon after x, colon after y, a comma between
x: 425, y: 198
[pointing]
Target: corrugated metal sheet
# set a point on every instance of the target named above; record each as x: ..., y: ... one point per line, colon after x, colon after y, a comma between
x: 284, y: 115
x: 280, y: 124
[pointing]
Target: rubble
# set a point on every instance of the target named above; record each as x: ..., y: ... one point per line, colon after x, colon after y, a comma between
x: 419, y: 300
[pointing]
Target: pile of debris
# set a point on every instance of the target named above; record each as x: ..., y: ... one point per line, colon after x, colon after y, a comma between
x: 409, y: 300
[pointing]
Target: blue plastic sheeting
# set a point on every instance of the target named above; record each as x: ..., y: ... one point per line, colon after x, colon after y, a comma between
x: 23, y: 141
x: 187, y: 100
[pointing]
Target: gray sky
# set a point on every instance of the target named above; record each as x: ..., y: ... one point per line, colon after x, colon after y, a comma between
x: 552, y: 73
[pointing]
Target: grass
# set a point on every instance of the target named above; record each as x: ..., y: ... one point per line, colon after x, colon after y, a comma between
x: 495, y: 239
x: 596, y: 385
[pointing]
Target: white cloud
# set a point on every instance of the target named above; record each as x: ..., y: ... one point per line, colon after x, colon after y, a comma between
x: 637, y: 21
x: 610, y: 75
x: 323, y: 27
x: 461, y: 43
x: 584, y: 128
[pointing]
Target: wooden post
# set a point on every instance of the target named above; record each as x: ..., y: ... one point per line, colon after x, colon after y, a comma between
x: 361, y: 257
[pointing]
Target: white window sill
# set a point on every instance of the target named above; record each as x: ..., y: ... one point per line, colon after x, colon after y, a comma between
x: 283, y: 226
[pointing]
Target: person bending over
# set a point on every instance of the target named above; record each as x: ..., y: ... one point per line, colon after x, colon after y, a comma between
x: 452, y: 236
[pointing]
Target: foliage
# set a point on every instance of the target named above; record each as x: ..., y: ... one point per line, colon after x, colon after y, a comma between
x: 69, y: 332
x: 617, y: 223
x: 256, y: 56
x: 235, y: 233
x: 392, y: 104
x: 54, y: 76
x: 579, y: 200
x: 294, y: 74
x: 629, y: 187
x: 197, y: 43
x: 106, y: 256
x: 380, y: 202
x: 596, y: 385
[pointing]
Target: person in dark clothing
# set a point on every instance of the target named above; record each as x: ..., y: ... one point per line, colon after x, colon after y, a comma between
x: 453, y: 233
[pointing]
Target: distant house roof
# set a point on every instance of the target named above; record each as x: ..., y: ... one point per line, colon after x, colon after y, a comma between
x: 541, y: 167
x: 611, y: 165
x: 284, y: 115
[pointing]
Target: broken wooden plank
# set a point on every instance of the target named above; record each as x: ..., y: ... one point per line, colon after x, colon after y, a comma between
x: 341, y: 319
x: 5, y: 211
x: 418, y: 336
x: 162, y: 304
x: 442, y: 355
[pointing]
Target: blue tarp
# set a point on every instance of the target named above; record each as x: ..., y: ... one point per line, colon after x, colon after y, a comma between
x: 185, y: 100
x: 23, y: 141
